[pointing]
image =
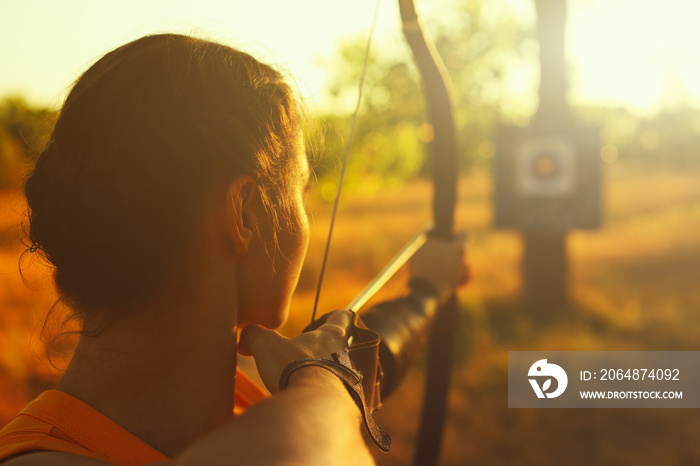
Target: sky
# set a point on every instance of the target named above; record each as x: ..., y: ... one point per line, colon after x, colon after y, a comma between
x: 643, y: 53
x: 636, y: 53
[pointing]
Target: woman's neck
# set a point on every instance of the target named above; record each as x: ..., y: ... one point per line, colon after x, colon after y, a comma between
x: 166, y: 373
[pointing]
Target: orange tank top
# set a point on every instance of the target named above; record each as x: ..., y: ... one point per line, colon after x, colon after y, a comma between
x: 57, y: 421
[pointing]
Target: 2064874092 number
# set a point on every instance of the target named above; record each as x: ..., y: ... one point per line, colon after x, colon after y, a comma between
x: 639, y: 374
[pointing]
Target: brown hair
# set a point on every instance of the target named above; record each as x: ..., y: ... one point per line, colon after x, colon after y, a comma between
x: 141, y: 140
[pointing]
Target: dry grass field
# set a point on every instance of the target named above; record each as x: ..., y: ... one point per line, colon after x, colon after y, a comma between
x: 634, y: 285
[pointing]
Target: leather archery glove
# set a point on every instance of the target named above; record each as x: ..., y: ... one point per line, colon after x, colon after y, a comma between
x: 357, y: 365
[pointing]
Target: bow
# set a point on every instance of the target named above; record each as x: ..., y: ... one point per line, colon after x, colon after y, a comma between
x: 445, y: 167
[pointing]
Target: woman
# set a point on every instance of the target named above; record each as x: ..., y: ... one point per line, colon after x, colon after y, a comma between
x: 169, y: 201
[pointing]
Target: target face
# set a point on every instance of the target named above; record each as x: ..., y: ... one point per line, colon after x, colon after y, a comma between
x: 545, y: 167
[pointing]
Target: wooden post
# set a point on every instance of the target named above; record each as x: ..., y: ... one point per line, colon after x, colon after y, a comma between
x: 545, y: 264
x: 545, y: 273
x: 551, y: 24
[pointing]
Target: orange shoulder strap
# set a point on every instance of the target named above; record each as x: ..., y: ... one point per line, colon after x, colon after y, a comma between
x: 57, y: 421
x: 247, y: 393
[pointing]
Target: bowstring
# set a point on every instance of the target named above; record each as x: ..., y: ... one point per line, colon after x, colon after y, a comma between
x: 344, y: 165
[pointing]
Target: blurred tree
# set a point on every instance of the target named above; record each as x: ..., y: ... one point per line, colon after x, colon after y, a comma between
x: 668, y: 137
x: 482, y: 44
x: 23, y: 133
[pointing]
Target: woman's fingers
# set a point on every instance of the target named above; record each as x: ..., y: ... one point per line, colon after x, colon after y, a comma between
x: 442, y: 263
x: 466, y: 274
x: 338, y: 322
x: 255, y: 337
x: 272, y: 352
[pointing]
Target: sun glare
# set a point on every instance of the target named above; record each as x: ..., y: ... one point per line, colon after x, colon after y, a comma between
x: 642, y: 53
x: 637, y: 53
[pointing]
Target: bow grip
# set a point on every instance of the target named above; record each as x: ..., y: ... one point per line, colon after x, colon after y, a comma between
x: 404, y: 326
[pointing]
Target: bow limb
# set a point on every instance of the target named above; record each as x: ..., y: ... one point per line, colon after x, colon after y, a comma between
x: 445, y: 170
x: 437, y: 90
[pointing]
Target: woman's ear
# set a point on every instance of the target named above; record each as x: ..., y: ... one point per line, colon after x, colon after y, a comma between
x: 240, y: 212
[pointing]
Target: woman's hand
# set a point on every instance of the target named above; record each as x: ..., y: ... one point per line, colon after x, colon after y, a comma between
x: 272, y: 351
x: 442, y: 263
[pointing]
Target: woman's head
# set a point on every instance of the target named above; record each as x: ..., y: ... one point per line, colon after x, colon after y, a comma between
x: 144, y: 137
